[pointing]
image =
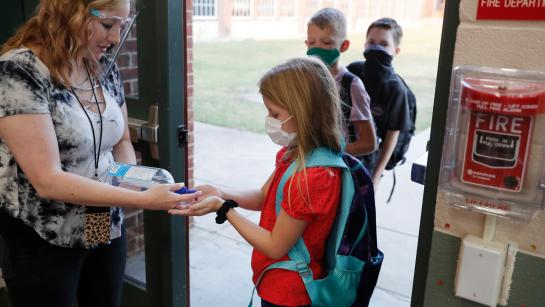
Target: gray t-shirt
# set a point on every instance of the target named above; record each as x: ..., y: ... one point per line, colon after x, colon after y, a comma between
x: 26, y: 88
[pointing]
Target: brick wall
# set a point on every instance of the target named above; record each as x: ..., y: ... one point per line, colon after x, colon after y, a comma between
x: 189, y: 91
x: 359, y: 14
x: 128, y: 64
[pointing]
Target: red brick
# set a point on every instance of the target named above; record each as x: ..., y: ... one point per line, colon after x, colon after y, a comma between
x: 134, y: 59
x: 130, y: 45
x: 123, y: 60
x: 129, y: 73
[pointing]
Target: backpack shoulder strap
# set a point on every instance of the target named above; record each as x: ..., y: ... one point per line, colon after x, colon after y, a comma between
x: 299, y: 255
x: 411, y: 99
x: 345, y: 93
x: 356, y: 68
x: 346, y: 82
x: 346, y: 106
x: 318, y: 157
x: 402, y: 80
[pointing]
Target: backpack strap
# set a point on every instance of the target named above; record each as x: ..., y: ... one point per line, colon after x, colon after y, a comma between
x: 346, y: 106
x: 318, y: 157
x: 356, y: 68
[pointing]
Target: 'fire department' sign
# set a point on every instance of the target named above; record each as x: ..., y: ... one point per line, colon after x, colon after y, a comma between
x: 511, y: 9
x: 499, y: 131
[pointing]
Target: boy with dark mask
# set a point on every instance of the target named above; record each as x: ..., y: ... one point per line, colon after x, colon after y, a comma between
x: 326, y: 39
x: 389, y: 96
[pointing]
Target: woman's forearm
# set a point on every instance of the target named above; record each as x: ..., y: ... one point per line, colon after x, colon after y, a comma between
x: 71, y: 188
x: 124, y: 152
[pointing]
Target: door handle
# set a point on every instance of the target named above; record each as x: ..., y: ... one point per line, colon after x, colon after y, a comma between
x: 147, y: 131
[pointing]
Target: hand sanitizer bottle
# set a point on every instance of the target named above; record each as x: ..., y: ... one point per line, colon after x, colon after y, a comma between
x: 136, y: 177
x: 139, y: 178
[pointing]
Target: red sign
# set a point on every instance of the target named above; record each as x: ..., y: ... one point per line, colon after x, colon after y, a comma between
x: 511, y: 9
x: 499, y: 130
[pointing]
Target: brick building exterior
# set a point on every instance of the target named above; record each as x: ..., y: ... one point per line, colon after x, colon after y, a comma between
x: 231, y: 19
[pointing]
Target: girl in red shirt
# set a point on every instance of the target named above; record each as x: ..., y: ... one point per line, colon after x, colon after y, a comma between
x: 304, y: 113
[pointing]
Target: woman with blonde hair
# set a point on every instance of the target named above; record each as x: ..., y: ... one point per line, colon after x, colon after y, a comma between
x: 61, y: 127
x: 303, y: 115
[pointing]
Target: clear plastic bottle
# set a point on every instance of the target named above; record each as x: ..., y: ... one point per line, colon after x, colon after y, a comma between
x: 136, y: 177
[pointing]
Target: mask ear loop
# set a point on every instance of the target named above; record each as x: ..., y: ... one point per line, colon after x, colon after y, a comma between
x: 286, y: 120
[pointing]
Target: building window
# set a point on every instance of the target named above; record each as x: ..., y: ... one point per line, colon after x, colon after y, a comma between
x: 265, y: 8
x: 328, y: 3
x: 286, y: 8
x: 343, y: 6
x: 204, y: 8
x: 241, y: 8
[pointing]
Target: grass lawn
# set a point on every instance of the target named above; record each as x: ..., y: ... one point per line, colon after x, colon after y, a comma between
x: 226, y: 74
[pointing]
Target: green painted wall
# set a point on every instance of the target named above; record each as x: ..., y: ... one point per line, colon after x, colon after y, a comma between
x: 527, y: 288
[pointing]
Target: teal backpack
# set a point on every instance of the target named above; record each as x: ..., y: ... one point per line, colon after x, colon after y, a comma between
x: 353, y: 260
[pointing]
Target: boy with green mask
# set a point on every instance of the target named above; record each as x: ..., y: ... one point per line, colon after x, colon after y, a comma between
x: 326, y: 39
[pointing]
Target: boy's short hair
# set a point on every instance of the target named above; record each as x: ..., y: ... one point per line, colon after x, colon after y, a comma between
x: 388, y: 24
x: 332, y: 18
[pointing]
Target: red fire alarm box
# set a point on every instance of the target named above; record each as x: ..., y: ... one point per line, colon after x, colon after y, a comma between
x: 492, y: 160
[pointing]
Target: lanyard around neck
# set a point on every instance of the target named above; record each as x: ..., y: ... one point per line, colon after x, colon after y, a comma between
x: 96, y: 153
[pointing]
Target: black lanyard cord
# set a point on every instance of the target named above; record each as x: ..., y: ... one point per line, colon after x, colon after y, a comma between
x: 96, y: 154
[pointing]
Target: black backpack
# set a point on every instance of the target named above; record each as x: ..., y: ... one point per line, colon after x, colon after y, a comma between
x: 404, y: 139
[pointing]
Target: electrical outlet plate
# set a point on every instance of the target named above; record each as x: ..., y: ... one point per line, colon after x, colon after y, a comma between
x: 480, y: 270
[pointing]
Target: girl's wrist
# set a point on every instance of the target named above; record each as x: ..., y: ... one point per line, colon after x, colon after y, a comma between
x: 219, y: 203
x: 224, y: 207
x: 221, y: 194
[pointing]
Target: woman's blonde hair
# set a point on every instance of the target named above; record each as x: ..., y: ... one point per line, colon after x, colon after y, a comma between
x: 57, y: 33
x: 306, y: 88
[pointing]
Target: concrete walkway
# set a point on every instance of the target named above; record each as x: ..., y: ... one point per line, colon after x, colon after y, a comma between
x: 220, y: 271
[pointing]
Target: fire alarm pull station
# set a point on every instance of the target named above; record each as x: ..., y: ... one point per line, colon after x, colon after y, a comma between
x: 494, y: 146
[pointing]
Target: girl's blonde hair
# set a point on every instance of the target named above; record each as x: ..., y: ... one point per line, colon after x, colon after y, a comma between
x: 59, y: 33
x: 306, y: 88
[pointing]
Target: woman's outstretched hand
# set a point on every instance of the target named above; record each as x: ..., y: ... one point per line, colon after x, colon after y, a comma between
x: 207, y: 205
x: 164, y: 197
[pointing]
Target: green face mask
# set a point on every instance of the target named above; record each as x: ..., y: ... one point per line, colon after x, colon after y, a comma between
x: 328, y: 56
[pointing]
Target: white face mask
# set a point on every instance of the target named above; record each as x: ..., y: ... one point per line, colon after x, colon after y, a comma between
x: 277, y: 134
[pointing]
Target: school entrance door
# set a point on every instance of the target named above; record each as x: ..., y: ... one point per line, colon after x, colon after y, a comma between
x: 153, y: 64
